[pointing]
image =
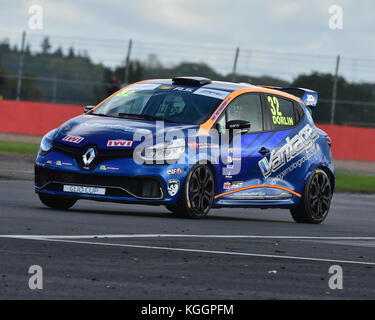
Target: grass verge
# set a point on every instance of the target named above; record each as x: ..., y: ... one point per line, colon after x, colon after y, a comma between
x: 355, y: 183
x: 19, y: 147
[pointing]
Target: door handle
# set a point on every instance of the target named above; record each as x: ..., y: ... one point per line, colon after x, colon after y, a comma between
x: 263, y: 151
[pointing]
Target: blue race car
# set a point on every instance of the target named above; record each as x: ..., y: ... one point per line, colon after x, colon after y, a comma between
x: 192, y: 144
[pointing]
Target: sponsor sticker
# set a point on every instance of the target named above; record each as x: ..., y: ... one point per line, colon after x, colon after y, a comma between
x: 232, y: 185
x: 61, y: 163
x: 247, y: 195
x: 183, y: 89
x: 73, y: 139
x: 236, y: 184
x: 218, y: 94
x: 195, y: 145
x: 144, y: 86
x: 173, y: 186
x: 220, y: 109
x: 173, y: 171
x: 226, y: 185
x: 119, y: 143
x: 125, y: 93
x: 84, y: 189
x: 104, y: 168
x: 165, y: 87
x: 303, y: 141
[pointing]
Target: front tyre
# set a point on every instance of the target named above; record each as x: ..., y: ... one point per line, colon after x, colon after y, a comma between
x: 316, y: 199
x: 55, y: 202
x: 197, y: 194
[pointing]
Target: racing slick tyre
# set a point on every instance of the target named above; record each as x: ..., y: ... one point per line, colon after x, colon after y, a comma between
x: 316, y: 199
x: 197, y: 193
x: 56, y: 202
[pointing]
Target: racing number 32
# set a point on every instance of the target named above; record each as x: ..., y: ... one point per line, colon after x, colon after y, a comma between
x: 277, y: 115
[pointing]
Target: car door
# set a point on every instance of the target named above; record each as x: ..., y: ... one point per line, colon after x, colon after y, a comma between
x: 244, y: 152
x: 282, y: 122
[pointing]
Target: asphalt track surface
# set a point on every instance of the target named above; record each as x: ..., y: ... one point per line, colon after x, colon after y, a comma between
x: 112, y: 251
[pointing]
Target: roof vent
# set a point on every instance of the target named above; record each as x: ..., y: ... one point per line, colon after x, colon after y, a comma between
x: 195, y: 81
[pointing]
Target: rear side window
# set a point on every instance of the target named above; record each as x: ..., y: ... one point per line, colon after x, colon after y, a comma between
x: 281, y: 112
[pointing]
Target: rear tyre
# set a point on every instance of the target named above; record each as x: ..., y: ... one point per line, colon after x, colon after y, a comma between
x: 197, y: 194
x: 56, y: 202
x: 316, y: 199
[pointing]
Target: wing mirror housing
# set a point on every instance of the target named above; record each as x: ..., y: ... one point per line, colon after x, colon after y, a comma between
x: 242, y: 125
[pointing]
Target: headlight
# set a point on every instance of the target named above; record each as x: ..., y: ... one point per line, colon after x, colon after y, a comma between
x: 164, y: 152
x: 46, y: 143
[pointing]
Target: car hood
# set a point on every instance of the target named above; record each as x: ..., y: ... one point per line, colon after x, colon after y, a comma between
x: 89, y: 129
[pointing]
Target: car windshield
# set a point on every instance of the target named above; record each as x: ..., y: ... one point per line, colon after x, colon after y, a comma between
x: 180, y: 104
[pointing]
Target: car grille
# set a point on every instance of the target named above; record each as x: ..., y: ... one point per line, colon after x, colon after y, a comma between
x: 138, y: 187
x: 101, y: 154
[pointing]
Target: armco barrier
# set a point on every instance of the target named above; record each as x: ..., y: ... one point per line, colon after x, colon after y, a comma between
x: 37, y: 118
x: 351, y: 143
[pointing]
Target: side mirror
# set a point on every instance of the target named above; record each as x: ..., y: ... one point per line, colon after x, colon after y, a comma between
x: 88, y: 108
x: 243, y: 125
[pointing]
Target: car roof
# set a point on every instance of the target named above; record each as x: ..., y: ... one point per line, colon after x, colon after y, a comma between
x: 230, y: 87
x: 219, y: 85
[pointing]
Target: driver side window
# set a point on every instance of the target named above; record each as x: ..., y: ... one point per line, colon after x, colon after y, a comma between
x: 247, y: 107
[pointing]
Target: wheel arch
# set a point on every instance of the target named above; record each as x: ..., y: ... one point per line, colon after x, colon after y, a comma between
x: 330, y: 175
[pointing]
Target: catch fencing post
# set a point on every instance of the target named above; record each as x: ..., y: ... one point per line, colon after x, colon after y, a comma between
x: 20, y: 68
x: 334, y: 91
x: 127, y: 63
x: 235, y: 64
x: 54, y: 90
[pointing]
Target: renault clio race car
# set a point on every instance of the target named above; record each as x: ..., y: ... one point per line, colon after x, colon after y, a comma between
x: 192, y: 144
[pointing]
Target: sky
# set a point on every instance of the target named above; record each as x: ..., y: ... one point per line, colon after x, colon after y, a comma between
x: 277, y: 38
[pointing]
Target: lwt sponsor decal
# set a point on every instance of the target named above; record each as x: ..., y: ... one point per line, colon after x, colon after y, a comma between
x: 74, y: 139
x: 119, y: 143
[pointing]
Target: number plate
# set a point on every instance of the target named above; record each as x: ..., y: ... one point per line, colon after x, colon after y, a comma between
x: 84, y: 189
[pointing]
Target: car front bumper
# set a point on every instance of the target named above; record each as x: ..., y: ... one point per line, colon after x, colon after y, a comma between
x: 122, y: 179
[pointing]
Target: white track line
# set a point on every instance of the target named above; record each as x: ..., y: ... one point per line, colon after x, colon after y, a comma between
x: 205, y: 251
x: 165, y: 235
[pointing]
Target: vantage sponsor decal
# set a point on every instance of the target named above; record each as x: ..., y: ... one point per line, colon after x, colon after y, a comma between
x: 302, y: 141
x: 294, y: 165
x: 119, y: 143
x: 74, y: 139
